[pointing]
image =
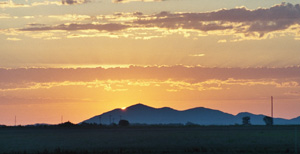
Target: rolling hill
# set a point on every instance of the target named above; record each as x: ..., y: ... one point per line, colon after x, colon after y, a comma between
x: 143, y: 114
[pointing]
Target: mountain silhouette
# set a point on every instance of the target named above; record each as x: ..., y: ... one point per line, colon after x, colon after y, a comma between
x: 143, y: 114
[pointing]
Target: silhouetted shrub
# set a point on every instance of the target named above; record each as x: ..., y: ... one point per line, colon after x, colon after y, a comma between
x: 268, y: 120
x: 246, y: 120
x: 67, y: 124
x: 113, y: 124
x: 123, y: 123
x: 191, y: 124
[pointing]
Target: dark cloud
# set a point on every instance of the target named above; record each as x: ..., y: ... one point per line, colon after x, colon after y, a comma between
x: 263, y: 20
x: 238, y: 20
x: 278, y: 12
x: 35, y: 25
x: 126, y: 1
x: 118, y: 1
x: 72, y: 2
x: 75, y: 27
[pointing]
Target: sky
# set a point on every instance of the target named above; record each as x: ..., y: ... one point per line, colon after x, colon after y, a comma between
x: 80, y: 58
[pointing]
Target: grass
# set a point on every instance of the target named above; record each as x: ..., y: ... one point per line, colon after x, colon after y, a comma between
x: 201, y: 139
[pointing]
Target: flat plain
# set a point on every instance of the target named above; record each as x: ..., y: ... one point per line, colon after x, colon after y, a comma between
x: 151, y: 139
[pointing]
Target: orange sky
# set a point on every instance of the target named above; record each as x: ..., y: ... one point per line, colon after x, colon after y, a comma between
x: 80, y: 58
x: 43, y: 95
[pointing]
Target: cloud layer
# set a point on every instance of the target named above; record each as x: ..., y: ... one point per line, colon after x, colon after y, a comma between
x: 73, y: 2
x: 241, y: 22
x: 12, y: 4
x: 190, y: 83
x: 77, y: 27
x: 178, y: 73
x: 127, y: 1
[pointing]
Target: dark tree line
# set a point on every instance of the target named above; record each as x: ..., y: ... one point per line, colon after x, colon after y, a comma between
x: 268, y: 120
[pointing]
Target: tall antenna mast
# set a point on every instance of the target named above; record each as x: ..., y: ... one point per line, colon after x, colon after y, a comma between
x: 272, y: 106
x: 15, y: 120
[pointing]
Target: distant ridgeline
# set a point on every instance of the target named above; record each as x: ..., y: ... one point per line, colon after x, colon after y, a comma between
x: 142, y: 114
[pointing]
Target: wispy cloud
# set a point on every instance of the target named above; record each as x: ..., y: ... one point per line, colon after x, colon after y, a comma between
x: 74, y: 2
x: 123, y: 85
x: 155, y: 82
x: 54, y: 84
x: 76, y: 27
x: 71, y: 17
x: 242, y: 23
x: 6, y: 16
x: 197, y: 55
x: 240, y: 20
x: 191, y: 74
x: 222, y: 41
x: 46, y: 2
x: 11, y: 4
x: 13, y: 39
x: 127, y: 1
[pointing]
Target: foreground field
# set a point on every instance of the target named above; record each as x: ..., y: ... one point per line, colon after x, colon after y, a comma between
x: 209, y: 139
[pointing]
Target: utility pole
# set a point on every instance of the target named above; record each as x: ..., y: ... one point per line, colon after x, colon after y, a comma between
x: 272, y: 107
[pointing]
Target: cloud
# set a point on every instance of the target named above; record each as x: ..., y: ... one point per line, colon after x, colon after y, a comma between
x: 13, y: 39
x: 45, y: 3
x: 35, y: 25
x: 127, y: 1
x: 71, y: 17
x: 11, y: 4
x: 293, y: 93
x: 73, y: 2
x: 76, y: 27
x: 197, y: 55
x: 242, y: 23
x: 176, y: 73
x: 169, y: 85
x: 190, y: 83
x: 6, y: 16
x: 222, y: 41
x: 240, y: 20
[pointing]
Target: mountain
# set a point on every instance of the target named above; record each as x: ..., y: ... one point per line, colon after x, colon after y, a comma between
x: 143, y: 114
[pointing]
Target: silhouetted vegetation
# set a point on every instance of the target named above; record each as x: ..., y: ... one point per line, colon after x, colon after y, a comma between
x: 246, y: 121
x: 113, y: 124
x: 67, y: 124
x: 123, y: 123
x: 190, y: 124
x: 268, y: 120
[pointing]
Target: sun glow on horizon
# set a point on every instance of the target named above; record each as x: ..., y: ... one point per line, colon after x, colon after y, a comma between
x: 64, y: 57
